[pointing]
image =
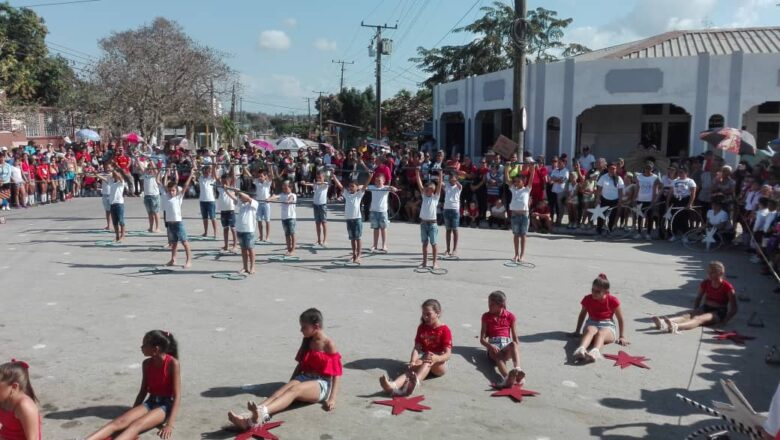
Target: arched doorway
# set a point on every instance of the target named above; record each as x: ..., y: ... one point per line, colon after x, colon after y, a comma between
x: 488, y: 126
x: 763, y: 121
x: 453, y: 129
x: 716, y: 121
x: 553, y: 138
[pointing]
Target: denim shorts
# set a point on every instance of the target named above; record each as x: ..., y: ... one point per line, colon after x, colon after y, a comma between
x: 355, y: 228
x: 718, y: 313
x: 176, y: 232
x: 323, y: 383
x: 208, y: 210
x: 500, y: 341
x: 429, y: 232
x: 106, y: 203
x: 152, y: 204
x: 520, y: 224
x: 263, y: 211
x: 164, y: 403
x: 451, y: 219
x: 117, y: 214
x: 288, y: 225
x: 320, y: 213
x: 378, y: 219
x: 228, y: 219
x: 607, y: 323
x: 246, y: 240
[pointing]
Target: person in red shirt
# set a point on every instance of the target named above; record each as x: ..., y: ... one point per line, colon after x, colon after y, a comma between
x: 432, y: 350
x: 42, y: 175
x: 600, y: 307
x: 499, y: 336
x: 383, y: 169
x: 541, y: 218
x: 716, y: 303
x: 121, y: 160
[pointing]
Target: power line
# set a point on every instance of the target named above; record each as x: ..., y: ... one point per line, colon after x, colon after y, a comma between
x: 57, y: 3
x: 342, y: 62
x: 268, y: 104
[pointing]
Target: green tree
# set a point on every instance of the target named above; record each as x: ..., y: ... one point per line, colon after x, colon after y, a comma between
x: 406, y: 112
x: 229, y: 130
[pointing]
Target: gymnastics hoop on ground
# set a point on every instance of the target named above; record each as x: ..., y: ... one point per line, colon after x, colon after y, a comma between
x: 232, y: 276
x: 155, y: 270
x: 523, y: 264
x: 703, y: 240
x: 283, y: 258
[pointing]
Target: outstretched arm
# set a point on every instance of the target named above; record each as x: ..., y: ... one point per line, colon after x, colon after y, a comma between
x: 336, y: 182
x: 418, y: 179
x: 438, y: 184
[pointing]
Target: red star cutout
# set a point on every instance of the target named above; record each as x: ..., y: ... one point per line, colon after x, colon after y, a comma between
x: 401, y: 404
x: 260, y: 432
x: 625, y: 360
x: 516, y: 392
x: 732, y: 336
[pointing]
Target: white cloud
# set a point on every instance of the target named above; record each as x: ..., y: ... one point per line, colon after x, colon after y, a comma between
x: 749, y: 12
x: 325, y: 45
x: 290, y: 22
x: 273, y: 40
x: 288, y: 86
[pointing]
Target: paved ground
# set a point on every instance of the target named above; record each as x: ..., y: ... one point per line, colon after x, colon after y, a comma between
x: 77, y: 313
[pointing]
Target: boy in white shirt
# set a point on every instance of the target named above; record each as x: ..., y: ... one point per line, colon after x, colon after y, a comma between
x: 682, y: 196
x: 288, y: 199
x: 352, y: 198
x: 151, y: 181
x: 104, y: 192
x: 429, y: 230
x: 521, y: 194
x: 451, y: 212
x: 172, y: 201
x: 320, y: 204
x: 116, y: 201
x: 378, y: 210
x: 208, y: 209
x: 263, y: 186
x: 226, y: 205
x: 245, y: 225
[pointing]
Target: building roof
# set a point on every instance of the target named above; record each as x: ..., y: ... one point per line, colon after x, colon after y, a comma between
x: 691, y: 43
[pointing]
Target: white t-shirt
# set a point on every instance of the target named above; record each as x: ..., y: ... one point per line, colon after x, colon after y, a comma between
x: 561, y: 173
x: 105, y: 185
x: 683, y: 187
x: 764, y: 219
x: 452, y: 196
x: 246, y: 218
x: 520, y: 198
x: 646, y: 185
x: 116, y: 192
x: 586, y: 162
x: 716, y: 219
x: 172, y: 206
x: 16, y: 175
x: 352, y: 204
x: 378, y: 198
x: 320, y: 194
x: 288, y: 205
x: 151, y: 188
x: 224, y: 202
x: 428, y: 208
x: 608, y: 188
x: 262, y: 189
x: 207, y: 189
x: 751, y: 200
x: 772, y: 423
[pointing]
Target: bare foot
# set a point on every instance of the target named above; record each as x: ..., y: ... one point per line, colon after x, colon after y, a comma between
x: 252, y: 407
x: 657, y: 322
x: 225, y: 248
x: 435, y: 266
x: 150, y: 230
x: 252, y: 272
x: 422, y: 266
x: 171, y: 263
x: 242, y: 271
x: 239, y: 422
x: 233, y: 249
x: 187, y: 264
x: 204, y: 235
x: 384, y: 382
x: 107, y: 228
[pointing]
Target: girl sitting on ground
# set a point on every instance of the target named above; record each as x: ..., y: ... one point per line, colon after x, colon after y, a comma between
x: 716, y: 303
x: 19, y: 415
x: 499, y: 336
x: 432, y: 350
x: 315, y: 379
x: 601, y: 308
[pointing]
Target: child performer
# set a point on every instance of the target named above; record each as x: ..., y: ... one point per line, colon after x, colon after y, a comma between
x: 247, y: 214
x: 429, y: 230
x: 432, y: 350
x: 116, y: 200
x: 521, y: 194
x: 352, y: 198
x: 263, y: 186
x: 499, y: 336
x: 105, y: 192
x: 716, y: 303
x: 172, y: 201
x: 320, y: 205
x: 378, y: 209
x: 19, y: 415
x: 151, y: 179
x: 161, y: 382
x: 601, y: 307
x: 226, y: 205
x: 315, y: 379
x: 288, y: 199
x: 207, y: 202
x: 452, y: 190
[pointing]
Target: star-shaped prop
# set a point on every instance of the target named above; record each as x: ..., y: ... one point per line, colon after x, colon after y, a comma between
x: 401, y: 404
x: 732, y: 336
x: 709, y: 237
x: 668, y: 215
x: 516, y: 392
x: 260, y: 431
x: 599, y: 212
x: 638, y: 211
x: 625, y: 360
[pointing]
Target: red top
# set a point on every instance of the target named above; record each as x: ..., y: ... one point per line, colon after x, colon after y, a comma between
x: 600, y: 310
x: 11, y: 428
x: 718, y: 295
x: 384, y: 170
x: 433, y: 340
x: 42, y: 171
x: 498, y: 326
x: 123, y: 162
x: 26, y: 169
x: 543, y: 210
x: 159, y: 381
x: 319, y: 362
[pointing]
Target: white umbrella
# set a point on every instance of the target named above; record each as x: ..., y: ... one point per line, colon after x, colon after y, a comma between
x: 290, y: 143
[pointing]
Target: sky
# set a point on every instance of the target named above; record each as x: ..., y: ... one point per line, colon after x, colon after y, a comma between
x: 283, y: 50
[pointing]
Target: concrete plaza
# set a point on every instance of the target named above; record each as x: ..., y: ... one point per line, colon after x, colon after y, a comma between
x: 77, y: 312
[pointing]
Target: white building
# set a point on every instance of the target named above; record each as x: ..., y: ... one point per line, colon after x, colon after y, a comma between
x: 662, y: 90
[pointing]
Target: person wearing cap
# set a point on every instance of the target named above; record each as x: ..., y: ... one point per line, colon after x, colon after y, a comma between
x: 586, y: 159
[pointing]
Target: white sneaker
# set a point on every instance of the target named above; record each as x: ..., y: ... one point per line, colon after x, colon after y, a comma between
x: 579, y: 354
x: 673, y: 238
x: 595, y: 354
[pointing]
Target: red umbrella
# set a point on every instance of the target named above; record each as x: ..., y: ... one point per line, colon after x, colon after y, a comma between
x: 330, y: 148
x: 133, y: 138
x: 265, y: 145
x: 732, y: 140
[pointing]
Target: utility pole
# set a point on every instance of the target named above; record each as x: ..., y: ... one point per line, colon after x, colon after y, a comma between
x: 233, y: 104
x: 308, y: 100
x: 379, y: 49
x: 519, y: 32
x: 342, y: 62
x: 320, y: 101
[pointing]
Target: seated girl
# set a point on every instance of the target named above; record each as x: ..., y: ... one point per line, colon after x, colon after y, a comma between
x: 600, y: 307
x: 499, y: 336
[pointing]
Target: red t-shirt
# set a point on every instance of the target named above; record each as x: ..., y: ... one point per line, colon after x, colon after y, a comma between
x: 498, y: 326
x: 718, y: 295
x: 123, y: 162
x: 159, y: 381
x: 385, y: 171
x: 42, y: 171
x: 433, y: 340
x: 542, y: 211
x: 600, y: 310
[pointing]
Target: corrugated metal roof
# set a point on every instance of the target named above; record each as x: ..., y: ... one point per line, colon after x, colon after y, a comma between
x: 692, y: 43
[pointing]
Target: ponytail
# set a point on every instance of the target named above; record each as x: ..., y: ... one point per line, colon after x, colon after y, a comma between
x: 18, y: 372
x: 601, y: 282
x: 164, y: 340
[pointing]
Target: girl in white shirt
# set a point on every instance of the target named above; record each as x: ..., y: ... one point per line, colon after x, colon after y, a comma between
x: 226, y: 205
x: 171, y: 202
x: 208, y: 208
x: 429, y: 230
